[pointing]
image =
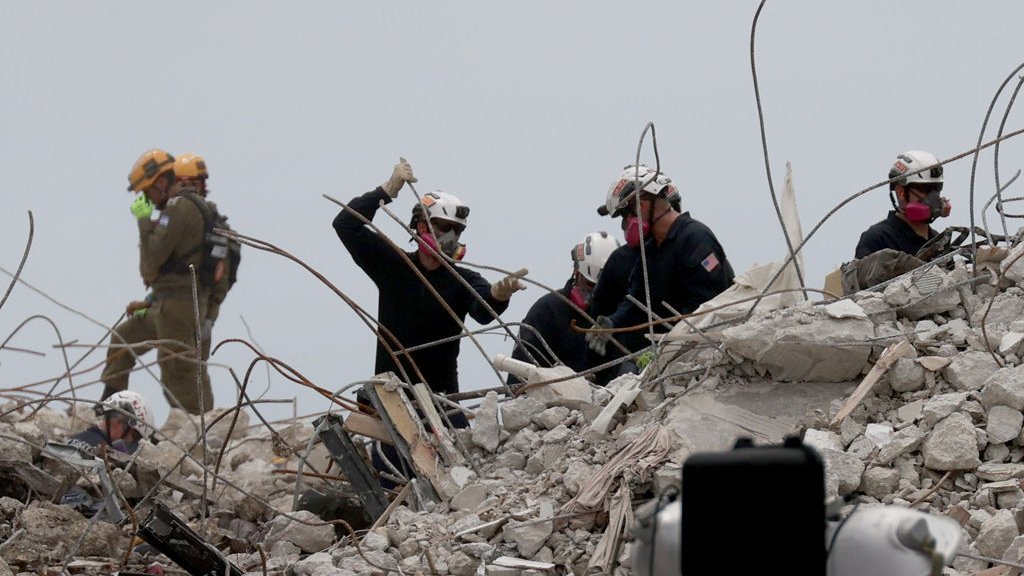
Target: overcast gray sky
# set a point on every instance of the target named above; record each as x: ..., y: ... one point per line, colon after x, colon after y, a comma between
x: 525, y: 110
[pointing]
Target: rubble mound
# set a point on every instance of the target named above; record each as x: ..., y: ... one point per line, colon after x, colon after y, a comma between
x: 913, y: 395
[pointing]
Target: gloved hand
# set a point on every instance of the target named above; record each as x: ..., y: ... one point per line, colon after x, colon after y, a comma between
x: 137, y: 308
x: 509, y: 285
x: 401, y: 174
x: 207, y: 331
x: 598, y: 341
x: 142, y: 207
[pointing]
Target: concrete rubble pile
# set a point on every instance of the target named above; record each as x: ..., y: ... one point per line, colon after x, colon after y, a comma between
x: 552, y: 475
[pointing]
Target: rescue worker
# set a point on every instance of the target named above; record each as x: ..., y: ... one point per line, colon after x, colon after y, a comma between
x: 405, y: 306
x: 191, y: 174
x: 126, y: 419
x: 549, y: 319
x: 916, y: 203
x: 167, y: 247
x: 612, y: 287
x: 686, y: 265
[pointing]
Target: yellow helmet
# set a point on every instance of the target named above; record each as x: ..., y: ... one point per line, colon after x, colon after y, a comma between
x: 148, y: 168
x: 190, y: 167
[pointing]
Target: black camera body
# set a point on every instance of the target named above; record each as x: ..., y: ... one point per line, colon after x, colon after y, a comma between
x: 754, y: 510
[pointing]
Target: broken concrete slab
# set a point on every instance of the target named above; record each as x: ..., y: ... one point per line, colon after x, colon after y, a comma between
x: 952, y: 445
x: 923, y: 292
x: 486, y: 433
x: 306, y: 530
x: 970, y: 370
x: 1004, y: 424
x: 996, y: 534
x: 517, y: 413
x: 1004, y: 387
x: 802, y: 346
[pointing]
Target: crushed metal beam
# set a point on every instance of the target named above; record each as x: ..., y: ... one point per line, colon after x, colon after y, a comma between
x: 76, y: 459
x: 174, y: 539
x: 344, y: 453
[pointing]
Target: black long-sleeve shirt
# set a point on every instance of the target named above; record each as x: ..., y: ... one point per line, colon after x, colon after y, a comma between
x: 405, y: 306
x: 549, y: 318
x: 893, y: 233
x: 686, y: 270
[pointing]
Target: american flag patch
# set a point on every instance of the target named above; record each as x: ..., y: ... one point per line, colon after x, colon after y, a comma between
x: 710, y: 263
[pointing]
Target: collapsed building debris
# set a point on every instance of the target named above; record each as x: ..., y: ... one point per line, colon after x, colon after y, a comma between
x: 908, y: 405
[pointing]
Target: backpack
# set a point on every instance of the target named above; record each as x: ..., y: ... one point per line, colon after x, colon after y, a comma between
x: 220, y: 255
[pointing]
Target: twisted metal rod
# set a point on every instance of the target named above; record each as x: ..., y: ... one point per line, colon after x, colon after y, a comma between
x: 978, y: 147
x: 995, y: 157
x: 24, y: 257
x: 60, y: 339
x: 764, y: 148
x: 999, y: 208
x: 382, y: 333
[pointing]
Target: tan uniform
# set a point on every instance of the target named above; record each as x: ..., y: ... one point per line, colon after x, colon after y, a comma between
x: 163, y: 245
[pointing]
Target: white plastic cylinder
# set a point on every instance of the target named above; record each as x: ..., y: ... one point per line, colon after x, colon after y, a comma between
x: 522, y: 370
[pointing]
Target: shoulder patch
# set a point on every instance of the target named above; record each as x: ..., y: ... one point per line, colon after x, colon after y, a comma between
x: 164, y: 220
x: 710, y: 263
x: 173, y: 200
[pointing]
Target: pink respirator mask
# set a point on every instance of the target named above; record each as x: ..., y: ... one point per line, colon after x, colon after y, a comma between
x: 633, y: 228
x: 449, y: 246
x: 933, y: 207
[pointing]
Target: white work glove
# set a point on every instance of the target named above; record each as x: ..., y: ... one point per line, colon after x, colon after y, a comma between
x: 207, y: 330
x: 509, y: 285
x: 401, y: 174
x: 598, y: 341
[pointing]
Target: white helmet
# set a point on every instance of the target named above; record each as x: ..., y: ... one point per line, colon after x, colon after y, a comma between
x: 590, y: 255
x: 133, y: 408
x: 620, y: 193
x: 441, y: 206
x: 915, y: 164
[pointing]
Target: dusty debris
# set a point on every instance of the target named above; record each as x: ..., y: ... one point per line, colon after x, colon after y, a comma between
x: 907, y: 401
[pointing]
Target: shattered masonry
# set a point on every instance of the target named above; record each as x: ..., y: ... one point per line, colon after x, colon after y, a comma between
x: 547, y: 473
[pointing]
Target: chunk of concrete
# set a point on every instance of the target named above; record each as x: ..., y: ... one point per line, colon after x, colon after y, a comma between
x: 469, y: 498
x: 486, y: 433
x: 905, y: 440
x: 996, y: 534
x: 970, y: 370
x: 1007, y: 307
x: 911, y: 411
x: 1004, y: 387
x: 517, y: 413
x: 952, y: 445
x: 529, y: 536
x: 933, y: 363
x: 307, y: 531
x: 922, y: 293
x: 942, y: 405
x: 879, y: 482
x: 319, y: 564
x: 1004, y: 424
x: 794, y: 347
x: 49, y: 528
x: 843, y: 471
x: 552, y: 417
x: 906, y: 375
x: 823, y: 440
x: 457, y: 478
